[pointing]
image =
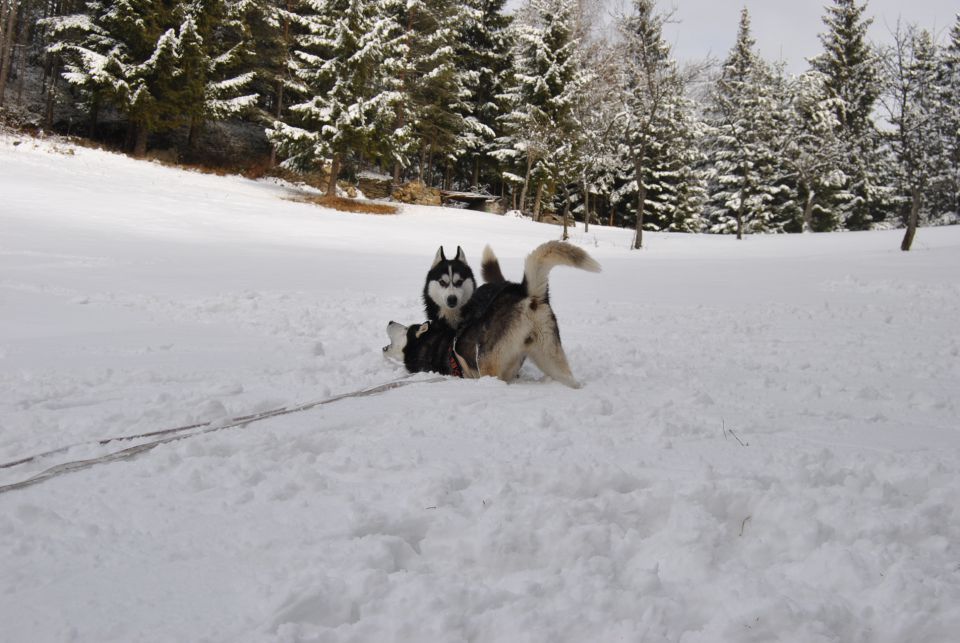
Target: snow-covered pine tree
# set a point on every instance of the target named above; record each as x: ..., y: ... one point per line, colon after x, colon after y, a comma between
x: 339, y: 66
x: 433, y: 84
x: 911, y: 102
x: 813, y: 152
x: 679, y: 172
x: 160, y: 64
x: 547, y: 78
x: 657, y: 127
x: 851, y: 77
x: 216, y: 58
x: 597, y: 112
x: 271, y: 30
x: 91, y: 59
x: 748, y: 184
x: 945, y: 192
x: 484, y: 51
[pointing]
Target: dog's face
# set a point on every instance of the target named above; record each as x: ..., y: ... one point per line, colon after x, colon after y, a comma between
x: 450, y: 285
x: 400, y: 337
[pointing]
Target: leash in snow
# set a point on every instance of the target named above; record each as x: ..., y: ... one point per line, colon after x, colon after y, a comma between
x: 171, y: 435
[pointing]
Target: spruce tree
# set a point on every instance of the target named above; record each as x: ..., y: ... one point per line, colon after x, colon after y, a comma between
x: 339, y: 66
x: 484, y: 57
x: 216, y: 60
x: 658, y: 129
x: 813, y: 153
x: 851, y: 77
x: 748, y: 185
x: 161, y: 64
x: 547, y: 79
x: 945, y: 197
x: 437, y: 110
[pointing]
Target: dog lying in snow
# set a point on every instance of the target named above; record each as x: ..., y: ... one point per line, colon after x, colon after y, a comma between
x: 505, y: 323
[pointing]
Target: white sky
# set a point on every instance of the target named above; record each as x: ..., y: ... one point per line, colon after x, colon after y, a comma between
x: 783, y: 29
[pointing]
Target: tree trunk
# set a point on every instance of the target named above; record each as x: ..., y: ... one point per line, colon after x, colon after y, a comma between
x: 566, y: 212
x: 537, y: 201
x: 22, y: 61
x: 50, y: 99
x: 430, y: 172
x: 94, y: 114
x: 916, y: 199
x: 742, y: 208
x: 641, y: 199
x: 6, y: 46
x: 526, y: 184
x: 334, y: 171
x: 140, y: 144
x: 476, y: 174
x: 277, y: 112
x: 192, y: 134
x: 586, y: 206
x: 808, y: 212
x: 613, y: 213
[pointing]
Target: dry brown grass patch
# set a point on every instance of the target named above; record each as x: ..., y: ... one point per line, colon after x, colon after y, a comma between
x: 351, y: 205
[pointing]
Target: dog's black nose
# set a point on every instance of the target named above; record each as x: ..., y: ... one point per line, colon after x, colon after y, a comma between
x: 451, y: 301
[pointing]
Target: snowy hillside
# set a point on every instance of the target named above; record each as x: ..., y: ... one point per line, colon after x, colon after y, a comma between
x: 766, y: 446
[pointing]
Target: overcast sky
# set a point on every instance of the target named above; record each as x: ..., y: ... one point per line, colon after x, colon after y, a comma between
x: 783, y: 29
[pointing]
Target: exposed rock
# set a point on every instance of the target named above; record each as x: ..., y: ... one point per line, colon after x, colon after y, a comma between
x: 416, y: 193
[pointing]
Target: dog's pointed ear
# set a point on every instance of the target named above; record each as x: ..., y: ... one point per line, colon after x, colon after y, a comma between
x: 460, y: 256
x: 438, y: 258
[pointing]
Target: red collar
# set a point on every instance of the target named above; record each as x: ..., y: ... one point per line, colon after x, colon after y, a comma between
x: 455, y: 368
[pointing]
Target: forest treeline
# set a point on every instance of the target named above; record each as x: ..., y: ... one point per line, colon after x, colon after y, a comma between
x: 545, y: 107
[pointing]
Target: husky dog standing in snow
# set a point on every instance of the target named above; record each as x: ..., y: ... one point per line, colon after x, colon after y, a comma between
x: 517, y: 322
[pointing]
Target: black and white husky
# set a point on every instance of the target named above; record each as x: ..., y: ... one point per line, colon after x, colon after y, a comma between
x: 515, y: 321
x: 449, y: 286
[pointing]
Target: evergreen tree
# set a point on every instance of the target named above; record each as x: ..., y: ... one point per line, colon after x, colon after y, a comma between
x: 439, y: 116
x: 339, y: 65
x: 911, y: 100
x: 216, y: 60
x: 748, y: 187
x: 658, y: 131
x: 271, y: 27
x: 484, y: 57
x: 945, y: 195
x: 597, y: 114
x: 851, y: 78
x: 813, y: 153
x: 547, y: 78
x: 124, y: 54
x: 161, y: 64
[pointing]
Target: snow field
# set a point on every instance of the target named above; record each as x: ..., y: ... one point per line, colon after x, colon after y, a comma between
x: 766, y: 446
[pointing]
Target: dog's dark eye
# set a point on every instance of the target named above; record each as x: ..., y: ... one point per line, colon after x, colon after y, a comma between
x: 457, y: 282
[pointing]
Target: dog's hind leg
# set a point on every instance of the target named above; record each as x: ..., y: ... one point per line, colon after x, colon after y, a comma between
x: 548, y: 355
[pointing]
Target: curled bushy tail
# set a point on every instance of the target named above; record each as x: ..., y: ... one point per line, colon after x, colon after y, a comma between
x: 490, y: 267
x: 545, y: 257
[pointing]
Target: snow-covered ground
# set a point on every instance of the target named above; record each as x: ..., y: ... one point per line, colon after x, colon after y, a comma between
x: 766, y: 446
